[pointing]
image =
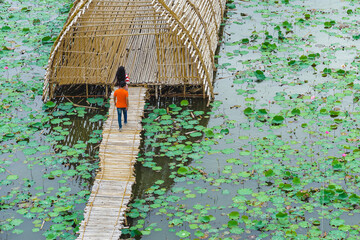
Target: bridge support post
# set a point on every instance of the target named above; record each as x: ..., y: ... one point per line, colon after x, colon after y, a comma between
x: 52, y: 88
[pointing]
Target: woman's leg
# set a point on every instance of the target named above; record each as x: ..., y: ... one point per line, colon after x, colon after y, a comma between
x: 119, y: 117
x: 125, y: 115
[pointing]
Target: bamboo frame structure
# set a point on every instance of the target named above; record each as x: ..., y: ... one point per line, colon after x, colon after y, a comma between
x: 160, y: 43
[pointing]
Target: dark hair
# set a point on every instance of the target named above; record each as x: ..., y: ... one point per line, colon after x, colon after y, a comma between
x: 120, y: 76
x: 122, y: 84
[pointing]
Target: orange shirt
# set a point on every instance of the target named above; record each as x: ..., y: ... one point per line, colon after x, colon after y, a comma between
x: 121, y: 95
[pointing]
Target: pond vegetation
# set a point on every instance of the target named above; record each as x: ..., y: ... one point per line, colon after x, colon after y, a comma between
x: 274, y: 156
x: 278, y: 155
x: 48, y: 152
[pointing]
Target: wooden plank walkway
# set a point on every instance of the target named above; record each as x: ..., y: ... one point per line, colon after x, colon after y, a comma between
x: 104, y: 213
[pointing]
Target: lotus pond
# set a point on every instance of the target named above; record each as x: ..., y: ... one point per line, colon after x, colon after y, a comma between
x: 277, y: 157
x: 48, y: 152
x: 274, y: 156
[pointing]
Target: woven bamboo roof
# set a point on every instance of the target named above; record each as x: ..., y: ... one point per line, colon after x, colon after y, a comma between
x: 160, y: 42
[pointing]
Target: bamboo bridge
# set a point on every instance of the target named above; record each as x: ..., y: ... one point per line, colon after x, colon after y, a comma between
x: 111, y: 192
x: 165, y: 45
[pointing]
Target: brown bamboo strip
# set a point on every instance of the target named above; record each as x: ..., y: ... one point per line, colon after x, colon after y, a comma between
x: 214, y: 15
x: 119, y: 3
x: 141, y: 12
x: 184, y: 60
x: 107, y: 20
x: 129, y: 7
x: 94, y: 16
x: 175, y: 57
x: 60, y: 96
x: 115, y: 24
x: 113, y: 35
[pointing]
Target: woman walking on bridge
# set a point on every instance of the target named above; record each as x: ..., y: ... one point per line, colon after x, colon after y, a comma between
x: 121, y: 76
x: 121, y: 96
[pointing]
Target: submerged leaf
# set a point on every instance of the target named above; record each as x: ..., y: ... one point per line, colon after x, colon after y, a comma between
x: 184, y: 103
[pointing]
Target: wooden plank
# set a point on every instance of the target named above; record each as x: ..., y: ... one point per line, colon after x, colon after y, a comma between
x: 111, y: 192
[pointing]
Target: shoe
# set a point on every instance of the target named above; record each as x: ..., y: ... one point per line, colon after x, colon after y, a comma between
x: 119, y: 129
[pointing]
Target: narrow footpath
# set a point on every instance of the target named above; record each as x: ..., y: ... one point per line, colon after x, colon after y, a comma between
x: 111, y: 192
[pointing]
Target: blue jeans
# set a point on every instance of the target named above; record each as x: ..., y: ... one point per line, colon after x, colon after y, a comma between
x: 119, y: 110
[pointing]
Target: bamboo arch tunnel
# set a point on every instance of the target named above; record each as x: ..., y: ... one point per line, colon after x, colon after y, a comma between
x: 160, y: 43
